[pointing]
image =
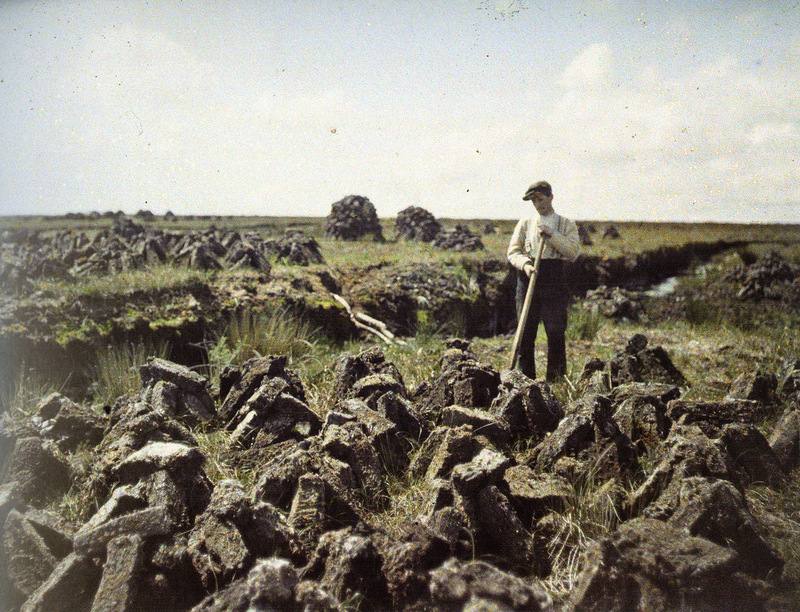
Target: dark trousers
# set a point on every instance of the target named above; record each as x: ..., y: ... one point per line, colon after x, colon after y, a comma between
x: 549, y: 305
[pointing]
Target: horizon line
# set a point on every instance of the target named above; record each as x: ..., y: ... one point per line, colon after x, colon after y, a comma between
x: 228, y: 216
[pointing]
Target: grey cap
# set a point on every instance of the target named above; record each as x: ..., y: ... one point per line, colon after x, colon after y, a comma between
x: 538, y: 187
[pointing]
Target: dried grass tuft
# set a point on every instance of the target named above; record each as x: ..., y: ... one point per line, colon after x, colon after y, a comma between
x: 116, y: 369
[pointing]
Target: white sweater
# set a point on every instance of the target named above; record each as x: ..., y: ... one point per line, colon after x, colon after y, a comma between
x: 563, y: 244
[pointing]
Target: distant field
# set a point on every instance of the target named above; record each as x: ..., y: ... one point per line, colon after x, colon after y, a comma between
x: 635, y: 236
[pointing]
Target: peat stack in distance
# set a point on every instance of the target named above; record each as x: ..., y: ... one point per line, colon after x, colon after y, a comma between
x: 460, y: 238
x: 416, y: 223
x: 352, y: 218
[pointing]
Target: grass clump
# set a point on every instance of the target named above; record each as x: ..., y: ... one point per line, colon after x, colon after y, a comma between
x: 418, y: 359
x: 251, y: 334
x: 407, y: 497
x: 779, y: 510
x: 116, y: 368
x: 21, y: 394
x: 317, y: 373
x: 76, y: 506
x: 215, y: 445
x: 589, y: 514
x: 257, y: 334
x: 699, y: 312
x: 79, y: 502
x: 584, y: 324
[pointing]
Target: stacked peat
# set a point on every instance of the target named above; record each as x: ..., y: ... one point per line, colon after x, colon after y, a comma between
x: 769, y: 277
x: 416, y: 223
x: 460, y: 238
x: 131, y: 246
x: 352, y: 218
x: 614, y: 303
x: 295, y: 248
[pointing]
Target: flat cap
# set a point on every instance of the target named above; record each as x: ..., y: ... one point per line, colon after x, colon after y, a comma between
x: 538, y: 187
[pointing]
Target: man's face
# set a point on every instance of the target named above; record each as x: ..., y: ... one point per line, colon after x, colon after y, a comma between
x: 542, y: 202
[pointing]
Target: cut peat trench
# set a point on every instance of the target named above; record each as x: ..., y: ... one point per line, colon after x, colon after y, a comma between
x: 486, y: 310
x: 491, y: 310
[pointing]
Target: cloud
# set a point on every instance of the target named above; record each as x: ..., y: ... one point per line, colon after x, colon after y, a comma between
x: 590, y: 69
x: 709, y: 144
x: 774, y: 134
x: 680, y: 31
x: 794, y: 48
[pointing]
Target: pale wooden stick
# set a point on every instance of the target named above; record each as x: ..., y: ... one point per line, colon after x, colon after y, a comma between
x: 526, y: 306
x: 357, y: 317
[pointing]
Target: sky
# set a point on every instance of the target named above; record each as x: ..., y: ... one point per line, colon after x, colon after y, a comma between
x: 684, y: 111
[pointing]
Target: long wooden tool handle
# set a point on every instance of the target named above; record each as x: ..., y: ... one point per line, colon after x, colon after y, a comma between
x: 523, y: 317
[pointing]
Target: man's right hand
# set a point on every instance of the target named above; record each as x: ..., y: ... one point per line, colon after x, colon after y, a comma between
x: 528, y: 269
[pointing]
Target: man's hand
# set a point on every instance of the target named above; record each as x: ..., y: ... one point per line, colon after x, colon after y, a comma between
x: 528, y: 269
x: 545, y: 231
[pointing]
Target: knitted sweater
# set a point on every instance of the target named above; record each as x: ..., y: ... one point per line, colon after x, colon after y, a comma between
x: 563, y: 244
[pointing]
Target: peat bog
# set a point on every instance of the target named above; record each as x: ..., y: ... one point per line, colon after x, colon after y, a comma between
x: 193, y: 420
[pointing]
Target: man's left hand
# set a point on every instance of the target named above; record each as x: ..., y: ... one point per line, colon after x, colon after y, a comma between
x: 545, y: 231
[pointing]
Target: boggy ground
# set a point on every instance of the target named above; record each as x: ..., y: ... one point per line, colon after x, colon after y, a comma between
x: 61, y: 310
x: 660, y: 474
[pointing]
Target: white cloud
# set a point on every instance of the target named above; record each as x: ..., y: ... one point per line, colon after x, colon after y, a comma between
x: 591, y: 68
x: 774, y: 133
x: 707, y: 145
x: 794, y: 48
x: 680, y: 31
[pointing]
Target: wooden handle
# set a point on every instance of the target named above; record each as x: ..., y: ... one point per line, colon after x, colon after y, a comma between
x: 523, y: 317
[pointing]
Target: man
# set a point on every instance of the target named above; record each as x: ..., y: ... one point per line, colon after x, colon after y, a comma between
x: 551, y: 296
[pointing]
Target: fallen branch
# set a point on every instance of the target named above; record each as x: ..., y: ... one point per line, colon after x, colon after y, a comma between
x: 367, y: 323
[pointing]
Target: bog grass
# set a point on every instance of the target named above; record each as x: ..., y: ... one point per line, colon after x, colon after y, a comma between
x: 20, y: 394
x: 215, y: 446
x: 780, y: 508
x: 257, y: 334
x: 589, y: 514
x: 583, y: 323
x: 407, y: 497
x: 116, y: 369
x: 276, y: 332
